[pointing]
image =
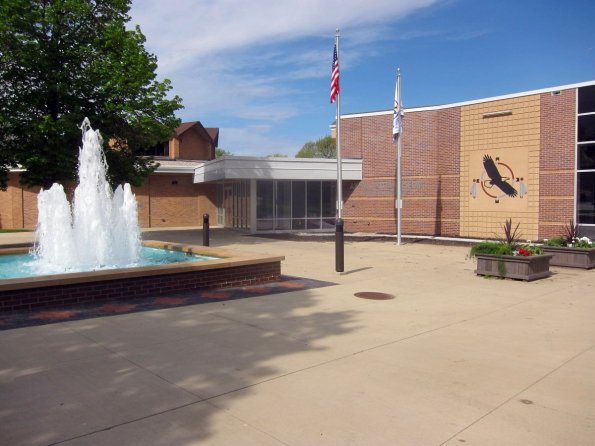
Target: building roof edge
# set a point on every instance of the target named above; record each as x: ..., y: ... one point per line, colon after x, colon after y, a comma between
x: 471, y: 102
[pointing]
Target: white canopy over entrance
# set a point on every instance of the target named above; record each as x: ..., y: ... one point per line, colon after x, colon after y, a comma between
x: 276, y: 194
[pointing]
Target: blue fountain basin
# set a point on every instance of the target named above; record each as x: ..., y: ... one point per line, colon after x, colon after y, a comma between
x: 14, y: 266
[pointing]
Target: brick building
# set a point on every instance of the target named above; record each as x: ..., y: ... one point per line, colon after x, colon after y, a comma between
x: 466, y: 168
x: 539, y: 145
x: 169, y: 197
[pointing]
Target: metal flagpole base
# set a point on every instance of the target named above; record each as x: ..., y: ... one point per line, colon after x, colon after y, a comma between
x: 339, y: 246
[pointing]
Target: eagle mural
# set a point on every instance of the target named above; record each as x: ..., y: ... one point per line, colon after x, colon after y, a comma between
x: 496, y: 178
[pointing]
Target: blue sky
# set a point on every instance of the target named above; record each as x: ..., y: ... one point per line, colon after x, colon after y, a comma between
x: 260, y: 70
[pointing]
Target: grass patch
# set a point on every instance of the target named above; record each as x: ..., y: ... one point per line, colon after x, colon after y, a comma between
x: 2, y: 231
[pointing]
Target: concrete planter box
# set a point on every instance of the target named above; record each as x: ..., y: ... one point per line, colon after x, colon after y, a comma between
x: 513, y: 267
x: 571, y: 257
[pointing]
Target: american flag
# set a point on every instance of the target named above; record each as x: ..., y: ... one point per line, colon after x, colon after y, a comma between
x: 335, y: 76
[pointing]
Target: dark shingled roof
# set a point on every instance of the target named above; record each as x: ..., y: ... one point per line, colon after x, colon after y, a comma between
x: 212, y: 132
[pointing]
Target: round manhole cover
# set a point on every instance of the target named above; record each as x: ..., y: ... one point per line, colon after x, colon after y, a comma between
x: 374, y: 295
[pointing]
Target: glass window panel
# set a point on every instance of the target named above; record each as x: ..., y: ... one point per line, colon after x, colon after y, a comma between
x: 264, y: 225
x: 313, y: 198
x: 282, y: 224
x: 328, y: 223
x: 313, y: 223
x: 298, y: 201
x: 586, y: 99
x: 264, y: 199
x: 298, y: 223
x: 586, y: 156
x: 329, y: 198
x: 586, y: 128
x: 586, y: 198
x: 283, y: 199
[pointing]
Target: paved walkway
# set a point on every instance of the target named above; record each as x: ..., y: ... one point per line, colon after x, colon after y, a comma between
x: 453, y: 359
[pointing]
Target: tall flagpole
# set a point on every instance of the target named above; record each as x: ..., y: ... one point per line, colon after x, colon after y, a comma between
x: 336, y: 96
x: 397, y: 130
x: 399, y: 192
x: 339, y: 161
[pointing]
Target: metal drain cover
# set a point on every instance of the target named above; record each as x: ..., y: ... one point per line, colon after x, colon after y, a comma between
x: 374, y: 295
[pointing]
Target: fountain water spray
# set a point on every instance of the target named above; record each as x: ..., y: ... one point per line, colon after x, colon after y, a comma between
x: 101, y: 229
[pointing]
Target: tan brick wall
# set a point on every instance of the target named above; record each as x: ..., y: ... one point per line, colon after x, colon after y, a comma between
x: 176, y: 201
x: 556, y: 162
x: 513, y: 142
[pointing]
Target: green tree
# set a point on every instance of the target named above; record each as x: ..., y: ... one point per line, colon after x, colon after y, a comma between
x: 322, y: 148
x: 62, y: 61
x: 219, y: 152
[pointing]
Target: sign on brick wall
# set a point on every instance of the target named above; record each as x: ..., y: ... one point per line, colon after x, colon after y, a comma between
x: 498, y: 180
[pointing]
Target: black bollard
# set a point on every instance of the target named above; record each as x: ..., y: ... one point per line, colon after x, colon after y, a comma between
x: 339, y: 248
x: 205, y: 230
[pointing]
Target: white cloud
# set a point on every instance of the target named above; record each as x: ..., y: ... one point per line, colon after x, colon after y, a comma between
x: 180, y: 31
x: 256, y: 140
x: 250, y: 61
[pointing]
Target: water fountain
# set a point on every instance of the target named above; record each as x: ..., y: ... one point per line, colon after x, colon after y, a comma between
x: 100, y: 231
x: 92, y: 250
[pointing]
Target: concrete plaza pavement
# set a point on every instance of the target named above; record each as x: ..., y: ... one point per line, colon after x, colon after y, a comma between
x: 453, y: 359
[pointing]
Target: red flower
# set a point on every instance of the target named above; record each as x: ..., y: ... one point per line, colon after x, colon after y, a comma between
x: 524, y: 252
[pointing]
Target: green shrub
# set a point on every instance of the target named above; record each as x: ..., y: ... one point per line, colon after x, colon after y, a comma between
x: 496, y: 248
x: 556, y: 241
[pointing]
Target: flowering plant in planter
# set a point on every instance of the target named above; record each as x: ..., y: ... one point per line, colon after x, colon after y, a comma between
x: 509, y: 246
x: 571, y: 250
x: 509, y: 258
x: 528, y: 249
x: 580, y: 242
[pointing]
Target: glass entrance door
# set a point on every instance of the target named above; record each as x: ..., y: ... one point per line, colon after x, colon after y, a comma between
x: 286, y: 205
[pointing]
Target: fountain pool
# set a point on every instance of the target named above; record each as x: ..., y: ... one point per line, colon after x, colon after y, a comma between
x: 75, y: 242
x: 226, y: 268
x: 21, y: 265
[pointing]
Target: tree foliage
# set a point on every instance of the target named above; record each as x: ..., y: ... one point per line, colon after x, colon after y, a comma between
x: 62, y: 61
x: 219, y: 152
x: 322, y: 148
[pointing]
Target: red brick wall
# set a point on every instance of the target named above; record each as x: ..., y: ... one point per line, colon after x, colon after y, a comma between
x: 138, y: 286
x: 556, y: 162
x: 194, y: 146
x: 142, y: 198
x: 170, y: 200
x: 429, y: 168
x: 18, y: 205
x: 161, y: 202
x: 369, y: 204
x: 7, y: 217
x: 176, y: 201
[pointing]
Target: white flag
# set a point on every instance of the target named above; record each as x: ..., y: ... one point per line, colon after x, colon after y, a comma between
x: 398, y: 112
